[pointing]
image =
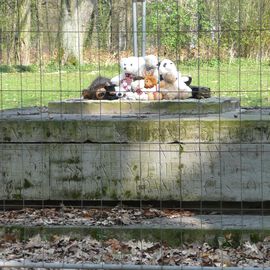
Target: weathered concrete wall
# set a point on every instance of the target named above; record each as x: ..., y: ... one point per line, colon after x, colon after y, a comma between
x: 112, y: 171
x: 224, y: 157
x: 127, y: 107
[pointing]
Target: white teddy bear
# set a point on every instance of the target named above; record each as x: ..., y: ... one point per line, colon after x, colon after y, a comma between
x: 168, y: 69
x: 130, y: 65
x: 131, y: 68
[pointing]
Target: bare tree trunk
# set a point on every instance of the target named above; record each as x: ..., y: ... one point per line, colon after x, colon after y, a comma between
x: 120, y: 25
x: 75, y: 17
x: 23, y: 35
x: 1, y: 44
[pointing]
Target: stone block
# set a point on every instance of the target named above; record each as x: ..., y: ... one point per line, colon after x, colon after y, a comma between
x: 129, y: 107
x: 190, y: 158
x: 188, y: 172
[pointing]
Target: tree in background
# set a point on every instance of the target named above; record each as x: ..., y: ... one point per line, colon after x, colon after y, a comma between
x: 74, y: 20
x: 22, y: 32
x: 120, y: 25
x: 64, y: 31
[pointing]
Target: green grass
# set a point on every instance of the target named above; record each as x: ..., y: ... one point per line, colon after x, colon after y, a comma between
x: 37, y: 89
x: 244, y: 79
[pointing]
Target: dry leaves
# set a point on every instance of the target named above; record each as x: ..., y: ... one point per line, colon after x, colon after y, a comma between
x: 80, y: 217
x: 89, y: 250
x: 113, y: 250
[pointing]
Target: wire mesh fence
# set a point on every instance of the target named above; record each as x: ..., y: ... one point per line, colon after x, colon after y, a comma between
x: 134, y: 134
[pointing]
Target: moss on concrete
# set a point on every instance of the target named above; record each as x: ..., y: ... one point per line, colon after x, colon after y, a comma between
x: 176, y: 137
x: 74, y: 160
x: 123, y: 107
x: 95, y: 195
x: 72, y: 194
x: 137, y: 130
x: 27, y: 184
x: 17, y: 196
x: 76, y: 177
x: 7, y: 139
x: 127, y: 194
x: 113, y: 195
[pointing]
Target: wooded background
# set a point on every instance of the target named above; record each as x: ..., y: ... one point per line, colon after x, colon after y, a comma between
x: 72, y: 31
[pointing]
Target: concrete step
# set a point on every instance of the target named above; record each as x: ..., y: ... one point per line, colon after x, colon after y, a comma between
x: 127, y: 107
x: 218, y: 157
x: 174, y: 231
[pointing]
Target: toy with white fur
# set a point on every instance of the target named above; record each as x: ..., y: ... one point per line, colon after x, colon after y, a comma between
x: 174, y: 85
x: 147, y: 87
x: 132, y: 65
x: 139, y: 90
x: 132, y: 68
x: 136, y: 92
x: 168, y: 87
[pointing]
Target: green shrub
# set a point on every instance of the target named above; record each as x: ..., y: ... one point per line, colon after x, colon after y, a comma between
x: 24, y: 68
x: 6, y: 69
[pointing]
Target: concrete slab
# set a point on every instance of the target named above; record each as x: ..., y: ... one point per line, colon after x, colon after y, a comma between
x: 212, y: 222
x: 127, y: 107
x: 203, y: 157
x: 190, y: 172
x: 30, y: 125
x: 243, y: 222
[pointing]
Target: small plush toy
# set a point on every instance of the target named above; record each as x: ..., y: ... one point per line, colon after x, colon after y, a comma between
x: 165, y: 66
x: 171, y: 87
x: 131, y: 90
x: 174, y: 86
x: 183, y: 83
x: 100, y: 88
x: 150, y: 96
x: 151, y: 86
x: 150, y: 81
x: 200, y: 92
x: 125, y: 85
x: 139, y: 90
x: 151, y: 65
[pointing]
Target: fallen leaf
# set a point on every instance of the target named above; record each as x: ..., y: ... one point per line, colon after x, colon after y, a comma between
x: 34, y: 242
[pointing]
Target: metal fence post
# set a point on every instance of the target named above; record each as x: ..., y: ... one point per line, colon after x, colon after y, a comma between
x: 135, y: 33
x: 144, y: 28
x: 135, y: 27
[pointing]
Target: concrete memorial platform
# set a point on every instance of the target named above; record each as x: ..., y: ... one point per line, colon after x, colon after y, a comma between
x: 185, y: 157
x: 126, y: 107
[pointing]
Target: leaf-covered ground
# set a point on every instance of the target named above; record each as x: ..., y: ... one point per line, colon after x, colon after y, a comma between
x: 88, y: 250
x: 82, y: 217
x: 115, y: 249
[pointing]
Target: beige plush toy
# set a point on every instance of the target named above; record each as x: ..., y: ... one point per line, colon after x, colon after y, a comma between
x: 169, y: 87
x: 151, y: 65
x: 174, y: 86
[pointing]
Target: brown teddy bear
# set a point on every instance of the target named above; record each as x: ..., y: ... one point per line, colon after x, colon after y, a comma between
x: 151, y: 83
x: 100, y: 88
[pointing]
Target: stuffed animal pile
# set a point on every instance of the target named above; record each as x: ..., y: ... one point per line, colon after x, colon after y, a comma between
x: 145, y: 78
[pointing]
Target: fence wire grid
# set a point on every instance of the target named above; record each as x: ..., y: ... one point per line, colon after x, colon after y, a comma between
x: 119, y: 175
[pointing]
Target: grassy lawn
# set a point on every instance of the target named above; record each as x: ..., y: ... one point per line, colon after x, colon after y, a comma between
x: 247, y: 80
x: 34, y: 89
